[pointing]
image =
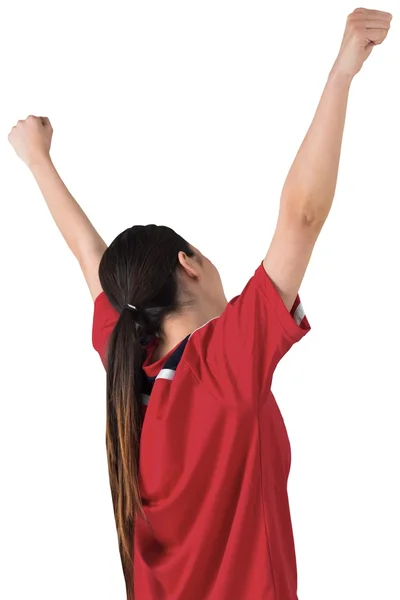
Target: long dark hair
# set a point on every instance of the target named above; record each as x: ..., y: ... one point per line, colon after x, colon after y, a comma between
x: 138, y: 268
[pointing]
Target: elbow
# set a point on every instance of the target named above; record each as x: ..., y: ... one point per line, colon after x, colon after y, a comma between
x: 312, y: 218
x: 308, y: 214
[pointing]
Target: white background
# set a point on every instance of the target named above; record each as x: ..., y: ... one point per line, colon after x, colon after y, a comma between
x: 190, y: 114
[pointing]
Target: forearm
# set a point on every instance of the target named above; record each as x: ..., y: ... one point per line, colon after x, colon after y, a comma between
x: 310, y: 185
x: 78, y: 232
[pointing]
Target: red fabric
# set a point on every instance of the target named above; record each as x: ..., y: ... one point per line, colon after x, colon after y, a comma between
x: 215, y: 459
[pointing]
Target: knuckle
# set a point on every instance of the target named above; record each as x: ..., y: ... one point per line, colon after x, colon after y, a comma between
x: 356, y: 15
x: 352, y: 21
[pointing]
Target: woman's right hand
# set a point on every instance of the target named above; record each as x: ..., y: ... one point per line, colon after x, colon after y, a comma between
x: 31, y: 139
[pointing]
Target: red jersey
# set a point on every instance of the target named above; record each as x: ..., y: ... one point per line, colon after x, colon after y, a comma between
x: 215, y: 456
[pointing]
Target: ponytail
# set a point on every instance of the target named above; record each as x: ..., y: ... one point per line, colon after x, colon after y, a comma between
x: 124, y: 424
x: 139, y: 269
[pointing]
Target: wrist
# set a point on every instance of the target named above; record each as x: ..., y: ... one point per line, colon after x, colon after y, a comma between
x: 339, y: 76
x: 38, y: 162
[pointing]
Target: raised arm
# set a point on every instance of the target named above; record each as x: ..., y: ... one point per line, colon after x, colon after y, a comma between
x: 310, y: 185
x: 31, y: 139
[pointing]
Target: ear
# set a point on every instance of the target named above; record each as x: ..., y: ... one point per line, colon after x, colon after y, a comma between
x: 189, y: 264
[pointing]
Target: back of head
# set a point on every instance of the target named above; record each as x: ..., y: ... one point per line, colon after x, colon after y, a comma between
x: 138, y: 269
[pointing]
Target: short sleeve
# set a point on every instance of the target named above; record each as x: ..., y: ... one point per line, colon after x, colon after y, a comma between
x: 240, y: 350
x: 104, y: 319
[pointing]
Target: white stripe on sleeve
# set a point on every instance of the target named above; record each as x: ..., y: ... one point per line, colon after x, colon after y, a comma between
x: 299, y: 314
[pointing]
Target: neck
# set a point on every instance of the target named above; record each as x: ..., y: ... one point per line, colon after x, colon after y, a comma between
x: 178, y: 327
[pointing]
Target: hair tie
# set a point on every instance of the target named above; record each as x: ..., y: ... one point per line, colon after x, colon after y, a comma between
x: 131, y: 307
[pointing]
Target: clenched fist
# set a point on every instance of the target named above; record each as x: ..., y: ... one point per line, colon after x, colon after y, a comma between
x: 364, y: 30
x: 31, y: 139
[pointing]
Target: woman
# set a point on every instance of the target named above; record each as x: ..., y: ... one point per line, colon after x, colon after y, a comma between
x: 202, y: 510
